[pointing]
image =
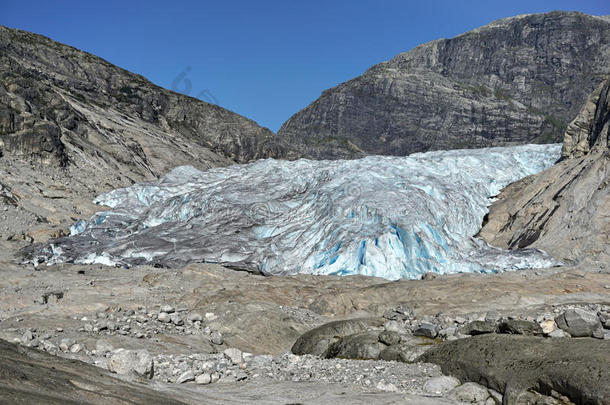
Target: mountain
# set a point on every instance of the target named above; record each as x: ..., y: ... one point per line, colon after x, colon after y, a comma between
x: 517, y: 80
x: 73, y: 108
x: 564, y: 210
x: 73, y: 125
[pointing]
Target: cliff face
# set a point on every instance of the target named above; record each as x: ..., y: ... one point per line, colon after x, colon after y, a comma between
x: 516, y: 80
x: 566, y: 209
x: 65, y: 107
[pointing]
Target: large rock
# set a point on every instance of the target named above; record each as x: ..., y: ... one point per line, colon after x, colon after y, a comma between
x: 125, y: 361
x: 318, y: 340
x: 579, y: 323
x: 520, y: 327
x: 565, y: 209
x: 360, y: 346
x: 516, y: 80
x: 512, y: 364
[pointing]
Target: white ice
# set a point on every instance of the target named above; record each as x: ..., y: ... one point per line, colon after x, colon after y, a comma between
x: 392, y: 217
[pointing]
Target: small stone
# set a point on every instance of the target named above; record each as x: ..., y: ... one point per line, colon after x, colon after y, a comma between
x: 558, y: 333
x: 167, y: 309
x: 210, y: 316
x: 187, y: 376
x: 216, y: 338
x: 164, y: 317
x: 388, y: 387
x: 194, y: 317
x: 470, y: 393
x: 66, y: 343
x: 27, y: 337
x: 76, y: 348
x: 548, y: 326
x: 203, y: 379
x: 176, y: 319
x: 440, y: 385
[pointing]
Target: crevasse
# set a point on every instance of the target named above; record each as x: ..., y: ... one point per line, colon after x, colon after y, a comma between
x: 392, y: 217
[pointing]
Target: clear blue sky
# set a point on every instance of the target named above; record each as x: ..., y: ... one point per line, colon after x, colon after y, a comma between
x: 262, y: 59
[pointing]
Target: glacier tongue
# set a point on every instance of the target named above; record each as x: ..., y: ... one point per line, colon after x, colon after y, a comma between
x: 392, y: 217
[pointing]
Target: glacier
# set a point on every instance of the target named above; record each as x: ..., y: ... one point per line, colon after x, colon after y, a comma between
x: 391, y: 217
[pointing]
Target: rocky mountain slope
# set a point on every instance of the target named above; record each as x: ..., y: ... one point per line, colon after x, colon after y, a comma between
x: 516, y: 80
x: 73, y: 125
x: 565, y: 210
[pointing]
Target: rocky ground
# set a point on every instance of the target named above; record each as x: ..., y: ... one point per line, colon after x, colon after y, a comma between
x: 204, y: 327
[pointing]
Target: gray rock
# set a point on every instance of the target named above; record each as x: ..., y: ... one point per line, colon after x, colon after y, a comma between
x: 176, y: 319
x: 76, y: 348
x: 187, y: 376
x: 470, y: 392
x: 216, y: 338
x: 194, y: 317
x: 318, y: 340
x: 66, y: 343
x: 426, y: 329
x: 125, y: 361
x: 164, y: 317
x: 167, y: 309
x: 578, y: 322
x: 512, y: 364
x: 235, y: 355
x: 479, y: 327
x: 558, y: 333
x: 440, y: 385
x: 203, y: 379
x: 363, y: 346
x: 520, y: 327
x: 389, y: 337
x: 27, y: 337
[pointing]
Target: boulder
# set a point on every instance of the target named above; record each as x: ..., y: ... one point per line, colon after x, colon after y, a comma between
x: 318, y: 340
x: 360, y: 346
x: 426, y: 329
x: 125, y: 361
x: 512, y: 364
x: 578, y: 322
x: 519, y: 327
x: 479, y: 327
x: 389, y: 337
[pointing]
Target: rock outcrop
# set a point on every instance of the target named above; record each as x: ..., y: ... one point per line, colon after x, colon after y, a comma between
x: 564, y: 210
x: 576, y: 368
x: 516, y: 80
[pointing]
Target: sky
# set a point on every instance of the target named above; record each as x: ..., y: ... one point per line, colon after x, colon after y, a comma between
x: 265, y: 60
